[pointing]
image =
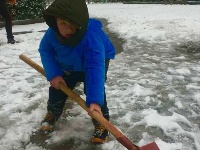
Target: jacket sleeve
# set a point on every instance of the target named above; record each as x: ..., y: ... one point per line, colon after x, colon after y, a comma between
x: 94, y: 66
x: 47, y: 55
x: 109, y: 48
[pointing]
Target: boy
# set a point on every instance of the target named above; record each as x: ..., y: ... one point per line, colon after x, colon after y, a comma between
x: 8, y: 21
x: 75, y: 49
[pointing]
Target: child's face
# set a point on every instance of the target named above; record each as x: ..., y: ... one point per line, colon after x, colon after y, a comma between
x: 65, y: 28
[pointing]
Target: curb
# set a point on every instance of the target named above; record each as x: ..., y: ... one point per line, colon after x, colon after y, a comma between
x: 158, y: 2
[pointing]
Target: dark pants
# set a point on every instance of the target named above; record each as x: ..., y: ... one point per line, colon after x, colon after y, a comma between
x: 6, y: 16
x: 57, y: 98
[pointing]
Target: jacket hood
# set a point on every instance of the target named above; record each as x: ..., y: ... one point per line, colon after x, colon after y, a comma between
x: 94, y: 24
x: 74, y: 11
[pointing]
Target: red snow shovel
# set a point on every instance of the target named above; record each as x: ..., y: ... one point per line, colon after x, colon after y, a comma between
x: 111, y: 128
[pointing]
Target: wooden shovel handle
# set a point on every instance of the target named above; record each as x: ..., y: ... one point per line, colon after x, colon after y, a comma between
x: 111, y: 128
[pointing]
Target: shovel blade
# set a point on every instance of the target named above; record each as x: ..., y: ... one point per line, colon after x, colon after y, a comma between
x: 150, y: 146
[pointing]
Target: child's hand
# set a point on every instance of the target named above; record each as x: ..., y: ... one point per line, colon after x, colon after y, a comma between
x: 55, y: 82
x: 94, y: 107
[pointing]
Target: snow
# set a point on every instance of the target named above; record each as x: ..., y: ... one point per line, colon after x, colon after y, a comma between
x: 153, y: 86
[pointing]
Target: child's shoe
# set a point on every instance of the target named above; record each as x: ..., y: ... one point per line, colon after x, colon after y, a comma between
x: 47, y: 124
x: 100, y: 134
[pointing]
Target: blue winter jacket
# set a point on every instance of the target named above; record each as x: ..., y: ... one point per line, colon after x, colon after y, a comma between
x: 88, y: 56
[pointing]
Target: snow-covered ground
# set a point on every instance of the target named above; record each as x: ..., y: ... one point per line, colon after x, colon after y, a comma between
x: 153, y: 87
